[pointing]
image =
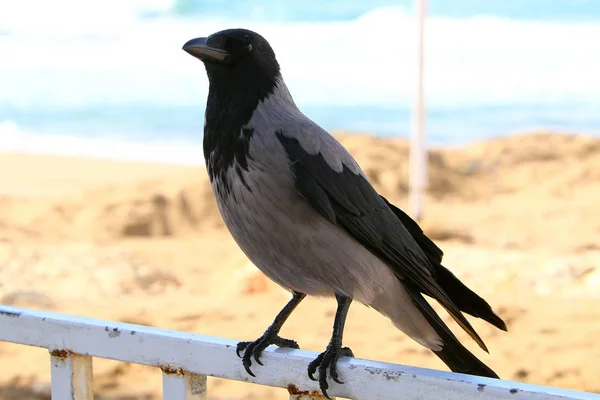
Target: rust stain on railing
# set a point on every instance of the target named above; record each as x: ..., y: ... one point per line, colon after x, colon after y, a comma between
x: 171, y: 370
x: 304, y: 394
x: 61, y: 353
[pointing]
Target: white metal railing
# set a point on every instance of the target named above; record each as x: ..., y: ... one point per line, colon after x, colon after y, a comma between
x: 187, y: 359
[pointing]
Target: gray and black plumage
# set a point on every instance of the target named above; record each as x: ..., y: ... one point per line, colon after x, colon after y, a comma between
x: 304, y: 213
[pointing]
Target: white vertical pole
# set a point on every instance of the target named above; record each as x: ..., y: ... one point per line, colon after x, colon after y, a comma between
x: 71, y: 376
x: 183, y: 386
x: 418, y: 146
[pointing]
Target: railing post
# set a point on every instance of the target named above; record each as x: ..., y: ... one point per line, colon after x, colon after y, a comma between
x: 178, y: 385
x: 71, y: 376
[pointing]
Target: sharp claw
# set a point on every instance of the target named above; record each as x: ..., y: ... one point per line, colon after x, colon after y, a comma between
x: 257, y: 355
x: 247, y: 365
x: 312, y: 367
x: 240, y: 347
x: 328, y: 361
x: 254, y: 349
x: 344, y: 352
x: 311, y: 373
x: 333, y: 374
x: 323, y: 385
x: 246, y: 361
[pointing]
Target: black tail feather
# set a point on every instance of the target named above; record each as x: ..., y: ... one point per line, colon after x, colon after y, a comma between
x: 467, y: 300
x: 453, y: 353
x: 464, y: 298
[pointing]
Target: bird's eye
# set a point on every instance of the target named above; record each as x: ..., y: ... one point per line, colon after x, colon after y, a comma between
x: 236, y: 46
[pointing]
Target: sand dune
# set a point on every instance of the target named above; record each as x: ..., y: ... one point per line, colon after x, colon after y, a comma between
x: 517, y: 217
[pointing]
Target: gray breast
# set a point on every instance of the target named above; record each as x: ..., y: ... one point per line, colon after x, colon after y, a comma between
x: 286, y: 239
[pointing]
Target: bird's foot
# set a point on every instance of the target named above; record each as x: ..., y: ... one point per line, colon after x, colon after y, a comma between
x: 254, y: 349
x: 328, y: 360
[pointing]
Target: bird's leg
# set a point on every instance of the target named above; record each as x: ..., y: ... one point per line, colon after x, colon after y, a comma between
x: 255, y: 348
x: 328, y: 359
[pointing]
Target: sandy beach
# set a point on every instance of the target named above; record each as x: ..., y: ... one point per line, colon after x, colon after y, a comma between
x: 517, y: 217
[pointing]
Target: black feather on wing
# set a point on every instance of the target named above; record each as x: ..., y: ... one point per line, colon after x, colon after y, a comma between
x: 433, y: 252
x: 348, y: 200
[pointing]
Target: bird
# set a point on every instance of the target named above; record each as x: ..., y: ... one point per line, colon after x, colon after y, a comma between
x: 303, y: 211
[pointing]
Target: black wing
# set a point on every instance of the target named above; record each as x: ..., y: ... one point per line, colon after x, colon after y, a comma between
x: 348, y: 200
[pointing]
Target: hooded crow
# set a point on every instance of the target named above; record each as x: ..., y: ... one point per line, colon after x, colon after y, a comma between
x: 303, y: 211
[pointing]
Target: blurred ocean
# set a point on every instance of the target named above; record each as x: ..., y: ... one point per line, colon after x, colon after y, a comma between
x: 110, y: 79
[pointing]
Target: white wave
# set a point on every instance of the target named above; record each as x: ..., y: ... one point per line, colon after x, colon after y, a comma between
x: 58, y: 18
x: 370, y: 60
x: 15, y: 140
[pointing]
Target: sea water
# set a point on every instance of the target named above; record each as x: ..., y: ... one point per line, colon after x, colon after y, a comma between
x: 109, y: 79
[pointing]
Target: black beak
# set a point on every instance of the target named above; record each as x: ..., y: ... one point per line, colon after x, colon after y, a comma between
x: 199, y: 49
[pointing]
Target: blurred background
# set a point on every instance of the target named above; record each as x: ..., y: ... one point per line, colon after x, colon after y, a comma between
x: 113, y: 73
x: 106, y: 211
